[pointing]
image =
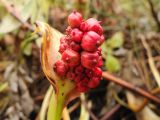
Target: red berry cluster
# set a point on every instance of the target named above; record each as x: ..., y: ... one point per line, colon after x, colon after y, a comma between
x: 81, y: 53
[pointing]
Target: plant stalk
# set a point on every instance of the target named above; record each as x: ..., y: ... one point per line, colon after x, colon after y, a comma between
x: 59, y: 99
x: 55, y: 107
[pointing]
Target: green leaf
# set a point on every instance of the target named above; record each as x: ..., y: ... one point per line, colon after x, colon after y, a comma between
x: 112, y: 64
x: 26, y: 45
x: 106, y: 50
x: 116, y: 41
x: 28, y: 49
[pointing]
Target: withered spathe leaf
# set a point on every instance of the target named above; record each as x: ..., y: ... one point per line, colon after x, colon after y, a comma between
x: 49, y: 50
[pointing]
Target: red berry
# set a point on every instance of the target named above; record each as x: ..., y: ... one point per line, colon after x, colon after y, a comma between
x: 93, y: 82
x: 82, y: 85
x: 75, y: 46
x: 68, y: 30
x: 75, y: 19
x: 102, y: 38
x: 100, y: 62
x: 99, y: 50
x: 84, y: 26
x: 97, y: 72
x: 63, y: 39
x: 79, y: 78
x: 76, y: 35
x: 91, y: 41
x: 79, y: 69
x: 89, y: 73
x: 71, y: 75
x: 93, y: 25
x: 60, y: 68
x: 63, y: 47
x: 71, y: 57
x: 89, y: 60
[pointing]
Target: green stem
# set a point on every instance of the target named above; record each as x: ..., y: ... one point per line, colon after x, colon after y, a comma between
x: 58, y: 100
x: 60, y: 105
x: 55, y: 107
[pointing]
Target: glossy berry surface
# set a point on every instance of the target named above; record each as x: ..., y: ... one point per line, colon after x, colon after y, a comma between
x: 89, y: 60
x: 92, y: 25
x: 61, y: 68
x: 71, y: 57
x: 75, y: 19
x: 91, y: 41
x: 76, y: 35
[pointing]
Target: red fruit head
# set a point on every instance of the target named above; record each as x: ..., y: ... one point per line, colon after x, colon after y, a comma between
x: 76, y: 35
x: 91, y: 41
x: 71, y: 57
x: 89, y: 60
x: 75, y: 19
x: 60, y: 68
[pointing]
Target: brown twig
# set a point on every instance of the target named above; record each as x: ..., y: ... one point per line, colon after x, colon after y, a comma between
x: 74, y: 106
x: 130, y: 87
x: 111, y: 112
x: 145, y: 101
x: 154, y: 14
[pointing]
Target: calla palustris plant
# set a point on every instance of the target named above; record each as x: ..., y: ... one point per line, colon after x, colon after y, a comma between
x: 72, y: 62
